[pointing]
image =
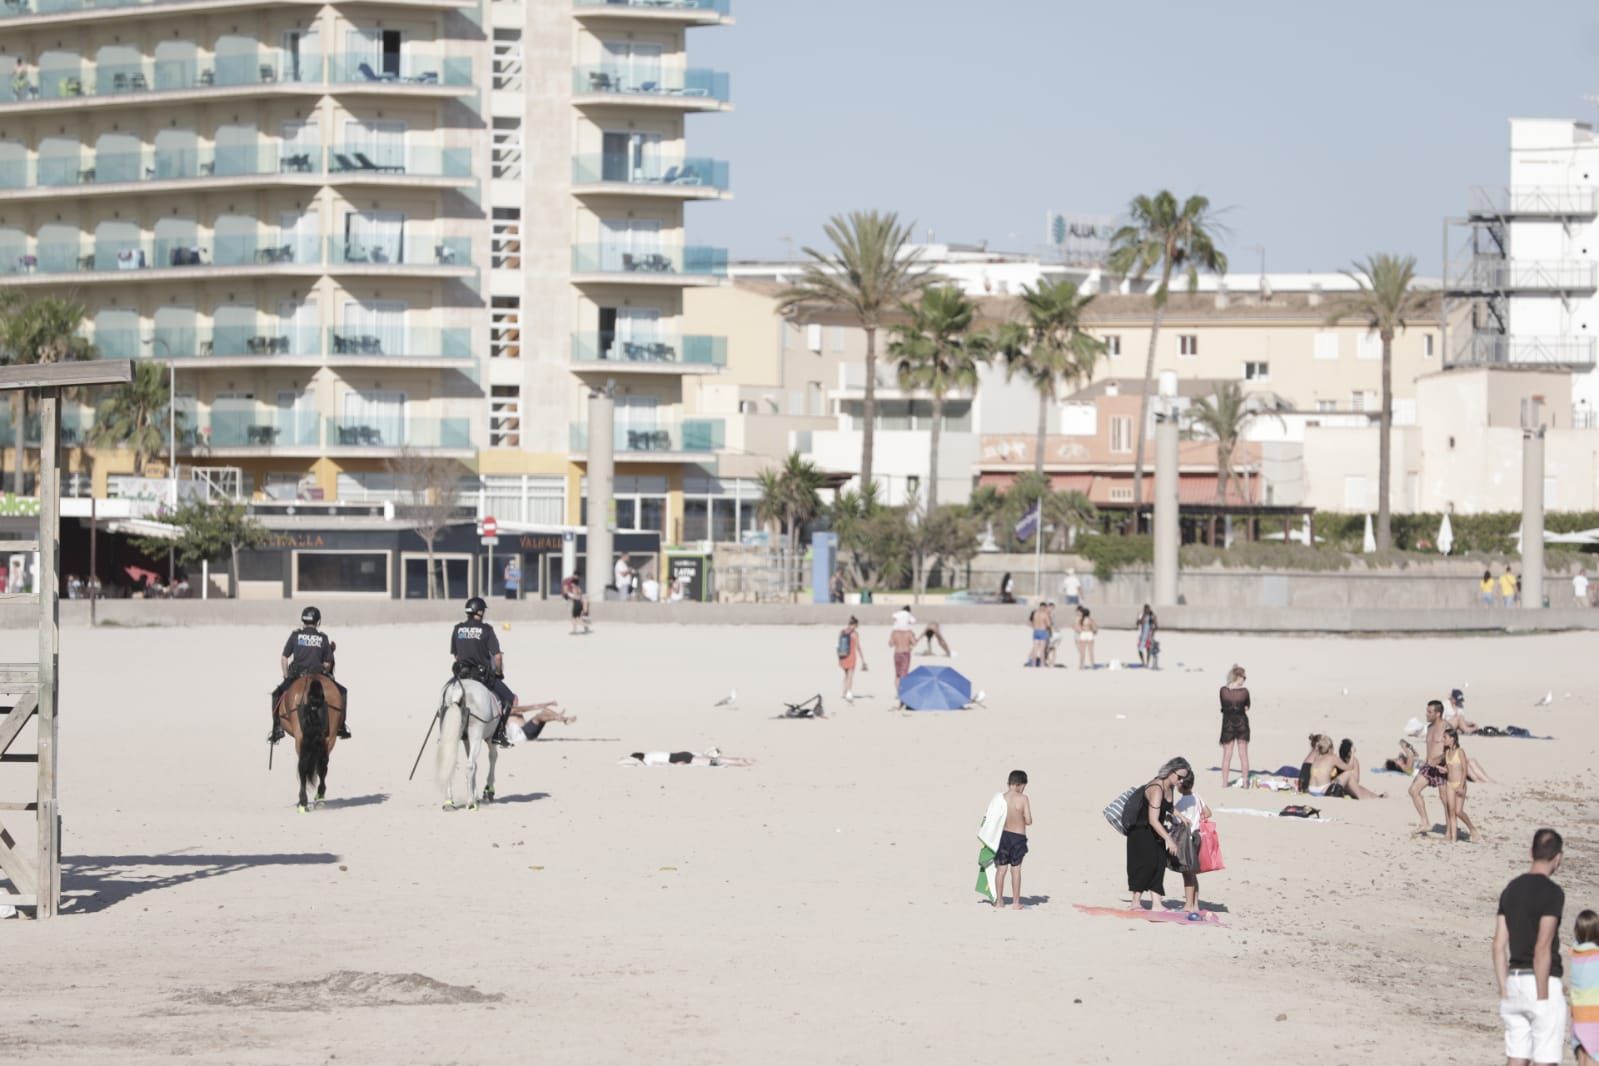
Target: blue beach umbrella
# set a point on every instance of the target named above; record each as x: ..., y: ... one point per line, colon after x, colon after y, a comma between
x: 935, y: 688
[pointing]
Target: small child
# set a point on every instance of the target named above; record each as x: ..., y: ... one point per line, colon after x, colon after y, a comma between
x: 1582, y: 979
x: 1013, y: 841
x: 1192, y: 809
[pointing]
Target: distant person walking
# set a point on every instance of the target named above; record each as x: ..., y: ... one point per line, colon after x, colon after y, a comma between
x: 1526, y: 954
x: 1071, y: 588
x: 1485, y: 589
x: 513, y: 577
x: 901, y: 640
x: 572, y: 591
x: 1007, y: 589
x: 849, y: 654
x: 1507, y: 587
x: 1235, y: 725
x: 1579, y: 589
x: 1040, y: 621
x: 1148, y: 626
x: 1087, y: 631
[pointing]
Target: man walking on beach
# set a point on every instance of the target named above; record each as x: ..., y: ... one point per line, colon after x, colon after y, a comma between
x: 1579, y: 588
x: 1526, y: 952
x: 902, y: 640
x: 1431, y: 771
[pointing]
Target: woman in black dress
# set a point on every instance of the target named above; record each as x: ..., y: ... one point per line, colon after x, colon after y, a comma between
x: 1148, y: 842
x: 1235, y: 725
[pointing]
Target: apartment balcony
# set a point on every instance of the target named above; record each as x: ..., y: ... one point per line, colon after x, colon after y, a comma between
x: 659, y: 354
x: 226, y: 428
x: 268, y: 344
x: 689, y: 12
x: 19, y: 14
x: 1497, y: 349
x: 691, y: 440
x: 632, y: 265
x: 690, y: 90
x: 1491, y: 275
x: 75, y: 425
x: 268, y: 163
x: 390, y: 436
x: 682, y: 179
x: 80, y: 83
x: 1534, y: 202
x: 413, y: 253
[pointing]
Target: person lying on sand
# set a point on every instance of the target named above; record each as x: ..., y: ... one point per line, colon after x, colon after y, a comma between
x: 710, y: 757
x: 1405, y: 761
x: 521, y: 726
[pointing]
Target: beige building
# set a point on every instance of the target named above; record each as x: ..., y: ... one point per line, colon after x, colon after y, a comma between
x: 591, y: 175
x: 280, y: 200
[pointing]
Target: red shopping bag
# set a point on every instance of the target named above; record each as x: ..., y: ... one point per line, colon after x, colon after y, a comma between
x: 1209, y: 848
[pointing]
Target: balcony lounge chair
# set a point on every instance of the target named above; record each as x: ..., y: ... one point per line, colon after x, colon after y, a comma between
x: 269, y: 73
x: 602, y: 82
x: 427, y: 77
x: 367, y: 164
x: 366, y: 72
x: 119, y: 83
x: 137, y: 83
x: 342, y: 162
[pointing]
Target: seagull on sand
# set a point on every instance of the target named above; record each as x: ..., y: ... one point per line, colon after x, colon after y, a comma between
x: 1548, y: 698
x: 727, y: 700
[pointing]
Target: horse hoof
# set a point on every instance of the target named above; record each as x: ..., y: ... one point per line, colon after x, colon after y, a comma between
x: 300, y: 808
x: 471, y: 806
x: 449, y: 806
x: 488, y: 797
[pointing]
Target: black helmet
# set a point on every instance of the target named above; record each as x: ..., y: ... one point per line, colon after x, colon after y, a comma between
x: 476, y: 605
x: 310, y: 617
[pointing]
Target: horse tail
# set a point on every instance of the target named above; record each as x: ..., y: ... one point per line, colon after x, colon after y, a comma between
x: 449, y: 746
x: 313, y: 733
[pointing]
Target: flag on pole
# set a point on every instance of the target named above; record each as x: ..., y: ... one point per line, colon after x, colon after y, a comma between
x: 1028, y: 524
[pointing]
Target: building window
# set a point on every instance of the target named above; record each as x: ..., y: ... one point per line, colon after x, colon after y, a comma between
x: 1427, y: 343
x: 1326, y: 344
x: 505, y: 416
x: 1326, y: 406
x: 1257, y: 371
x: 1113, y: 344
x: 366, y: 572
x: 717, y: 510
x: 1363, y: 401
x: 505, y: 328
x: 815, y: 399
x: 1188, y: 344
x: 1121, y: 433
x: 813, y: 337
x: 1368, y: 346
x: 838, y: 338
x: 505, y: 250
x: 1121, y: 494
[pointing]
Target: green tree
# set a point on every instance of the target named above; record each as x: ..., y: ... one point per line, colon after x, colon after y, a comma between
x: 790, y: 496
x: 876, y: 542
x: 209, y: 529
x: 939, y: 352
x: 870, y: 270
x: 1049, y: 346
x: 1161, y: 234
x: 1225, y: 416
x: 42, y: 330
x: 1386, y: 300
x: 131, y: 416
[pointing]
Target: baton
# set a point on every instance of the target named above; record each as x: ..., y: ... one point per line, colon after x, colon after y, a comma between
x: 270, y: 748
x: 431, y: 723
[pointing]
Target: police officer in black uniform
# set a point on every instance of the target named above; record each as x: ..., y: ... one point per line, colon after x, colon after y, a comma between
x: 307, y: 651
x: 477, y: 655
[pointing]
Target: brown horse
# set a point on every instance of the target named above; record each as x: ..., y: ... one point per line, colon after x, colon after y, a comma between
x: 311, y: 710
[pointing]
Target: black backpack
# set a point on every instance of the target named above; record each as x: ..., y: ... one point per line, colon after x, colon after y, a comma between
x: 845, y: 642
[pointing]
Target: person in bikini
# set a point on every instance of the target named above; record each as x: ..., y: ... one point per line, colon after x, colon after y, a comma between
x: 1405, y: 761
x: 1324, y: 764
x: 1454, y: 789
x: 931, y: 632
x: 1430, y: 772
x: 1350, y: 778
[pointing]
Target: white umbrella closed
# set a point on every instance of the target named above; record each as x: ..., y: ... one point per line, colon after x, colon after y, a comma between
x: 1446, y: 536
x: 1369, y: 544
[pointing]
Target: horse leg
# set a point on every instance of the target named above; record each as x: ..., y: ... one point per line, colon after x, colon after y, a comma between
x: 322, y: 773
x: 300, y: 768
x: 474, y: 748
x: 488, y: 788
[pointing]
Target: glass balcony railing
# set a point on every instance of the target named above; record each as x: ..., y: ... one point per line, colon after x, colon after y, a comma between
x: 249, y: 426
x: 405, y: 69
x: 691, y: 173
x: 261, y: 339
x: 23, y: 8
x: 720, y: 7
x: 619, y: 259
x: 398, y: 432
x: 403, y: 343
x: 59, y: 80
x: 400, y: 160
x: 690, y: 435
x: 650, y: 80
x: 76, y: 422
x: 407, y: 249
x: 105, y: 255
x: 688, y: 350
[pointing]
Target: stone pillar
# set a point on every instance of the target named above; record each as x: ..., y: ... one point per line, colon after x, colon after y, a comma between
x: 1532, y: 518
x: 1167, y: 533
x: 601, y: 468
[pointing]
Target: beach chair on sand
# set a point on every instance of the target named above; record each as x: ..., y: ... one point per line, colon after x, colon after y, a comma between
x: 811, y: 708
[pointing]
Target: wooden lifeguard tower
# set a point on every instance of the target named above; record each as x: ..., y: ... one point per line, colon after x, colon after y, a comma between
x: 32, y: 688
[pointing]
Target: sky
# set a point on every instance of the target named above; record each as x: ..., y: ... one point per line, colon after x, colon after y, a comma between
x: 1322, y: 132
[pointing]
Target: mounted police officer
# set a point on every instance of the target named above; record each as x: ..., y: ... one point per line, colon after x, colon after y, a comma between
x: 477, y: 655
x: 307, y: 651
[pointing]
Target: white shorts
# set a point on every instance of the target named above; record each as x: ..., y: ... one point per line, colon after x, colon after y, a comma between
x: 1534, y: 1030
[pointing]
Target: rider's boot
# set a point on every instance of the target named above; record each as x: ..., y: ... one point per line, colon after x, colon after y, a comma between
x: 277, y: 733
x: 344, y: 724
x: 499, y: 739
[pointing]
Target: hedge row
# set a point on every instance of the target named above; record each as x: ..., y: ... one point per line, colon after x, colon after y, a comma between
x: 1493, y: 533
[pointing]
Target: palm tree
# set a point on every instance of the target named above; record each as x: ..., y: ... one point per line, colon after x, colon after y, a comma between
x: 130, y: 416
x: 45, y: 330
x: 1225, y: 416
x: 790, y: 496
x: 938, y: 352
x: 1386, y: 300
x: 1161, y: 234
x: 1049, y: 346
x: 869, y: 272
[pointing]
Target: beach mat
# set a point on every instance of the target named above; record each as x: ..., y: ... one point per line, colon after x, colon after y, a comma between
x: 1504, y: 736
x: 1281, y: 771
x: 1176, y: 917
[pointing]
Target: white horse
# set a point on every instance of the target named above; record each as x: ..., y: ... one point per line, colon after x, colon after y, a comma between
x: 470, y: 714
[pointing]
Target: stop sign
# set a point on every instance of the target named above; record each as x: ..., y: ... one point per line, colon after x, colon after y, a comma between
x: 491, y: 527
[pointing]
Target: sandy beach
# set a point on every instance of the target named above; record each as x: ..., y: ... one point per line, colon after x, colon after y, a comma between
x: 817, y: 907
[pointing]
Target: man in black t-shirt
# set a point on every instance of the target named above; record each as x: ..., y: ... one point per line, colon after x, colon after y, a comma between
x: 1526, y: 953
x: 477, y: 655
x: 307, y: 651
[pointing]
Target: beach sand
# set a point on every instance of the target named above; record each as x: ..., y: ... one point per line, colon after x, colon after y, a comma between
x: 817, y: 907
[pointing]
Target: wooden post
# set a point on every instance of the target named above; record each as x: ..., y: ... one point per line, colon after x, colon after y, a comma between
x: 94, y: 543
x: 49, y: 865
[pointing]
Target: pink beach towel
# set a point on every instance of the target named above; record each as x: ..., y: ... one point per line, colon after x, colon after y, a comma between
x: 1160, y: 915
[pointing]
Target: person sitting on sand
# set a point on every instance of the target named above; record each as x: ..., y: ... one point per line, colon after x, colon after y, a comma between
x: 520, y: 726
x: 1455, y: 713
x: 1350, y: 778
x: 931, y: 632
x: 1324, y: 763
x: 709, y: 757
x: 1455, y: 790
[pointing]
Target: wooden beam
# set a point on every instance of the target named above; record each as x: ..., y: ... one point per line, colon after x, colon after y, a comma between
x: 48, y: 865
x: 66, y: 375
x: 13, y: 722
x: 19, y: 545
x: 19, y: 597
x: 14, y: 864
